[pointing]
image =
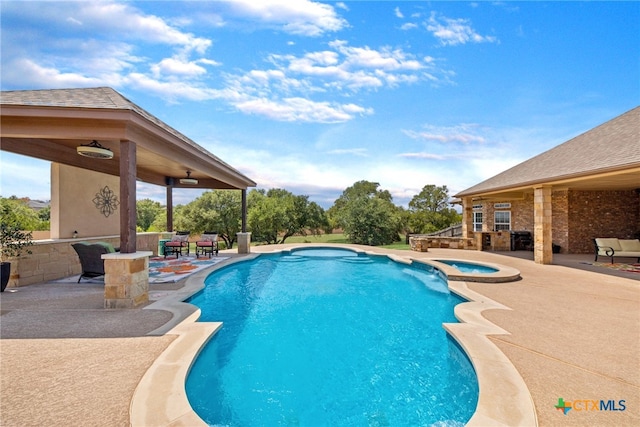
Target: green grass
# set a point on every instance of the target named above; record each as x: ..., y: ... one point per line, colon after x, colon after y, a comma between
x: 340, y: 238
x: 323, y: 238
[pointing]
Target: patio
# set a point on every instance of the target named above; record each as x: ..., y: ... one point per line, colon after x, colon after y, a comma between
x: 574, y: 334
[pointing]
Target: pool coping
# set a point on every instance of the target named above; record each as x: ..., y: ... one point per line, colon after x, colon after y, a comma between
x: 160, y: 398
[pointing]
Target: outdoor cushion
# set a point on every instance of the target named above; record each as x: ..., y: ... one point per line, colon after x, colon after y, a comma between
x: 608, y: 243
x: 207, y: 238
x: 108, y: 246
x: 180, y: 238
x: 630, y: 245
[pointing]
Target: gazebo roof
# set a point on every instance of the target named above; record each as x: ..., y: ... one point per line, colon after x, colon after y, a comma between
x: 49, y: 124
x: 606, y: 157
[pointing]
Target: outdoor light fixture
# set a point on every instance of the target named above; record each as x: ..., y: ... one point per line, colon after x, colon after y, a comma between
x: 188, y: 180
x: 95, y: 150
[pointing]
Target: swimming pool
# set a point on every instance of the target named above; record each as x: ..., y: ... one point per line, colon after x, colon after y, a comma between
x: 469, y: 267
x: 330, y: 337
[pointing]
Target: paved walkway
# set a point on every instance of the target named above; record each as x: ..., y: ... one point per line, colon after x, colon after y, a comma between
x: 574, y: 334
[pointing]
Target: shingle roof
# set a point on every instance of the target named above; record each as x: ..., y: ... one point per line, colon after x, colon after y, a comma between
x: 613, y: 145
x: 99, y: 97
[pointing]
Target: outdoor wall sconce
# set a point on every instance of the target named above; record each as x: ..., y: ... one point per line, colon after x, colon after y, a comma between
x: 188, y: 180
x: 95, y: 150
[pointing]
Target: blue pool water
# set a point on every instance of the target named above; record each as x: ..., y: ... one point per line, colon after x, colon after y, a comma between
x: 326, y: 337
x: 468, y: 267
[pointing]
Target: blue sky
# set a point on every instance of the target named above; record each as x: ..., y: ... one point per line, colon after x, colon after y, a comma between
x: 314, y: 96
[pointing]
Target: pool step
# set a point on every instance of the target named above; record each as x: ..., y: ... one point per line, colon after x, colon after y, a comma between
x: 357, y: 260
x: 291, y: 258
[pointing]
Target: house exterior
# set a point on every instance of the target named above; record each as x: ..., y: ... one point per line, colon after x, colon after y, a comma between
x: 585, y: 188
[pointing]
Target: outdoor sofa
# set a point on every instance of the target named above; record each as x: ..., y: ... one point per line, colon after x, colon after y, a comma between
x: 617, y: 248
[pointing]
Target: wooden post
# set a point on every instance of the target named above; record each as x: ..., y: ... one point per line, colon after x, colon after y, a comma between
x: 127, y: 197
x: 169, y: 204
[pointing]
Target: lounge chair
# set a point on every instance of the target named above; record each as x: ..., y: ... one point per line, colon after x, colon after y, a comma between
x: 178, y: 244
x: 207, y: 244
x: 90, y: 255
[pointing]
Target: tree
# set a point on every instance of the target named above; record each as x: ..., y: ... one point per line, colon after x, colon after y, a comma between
x: 278, y: 214
x: 17, y: 212
x: 219, y: 210
x: 367, y: 215
x: 430, y: 211
x: 146, y: 213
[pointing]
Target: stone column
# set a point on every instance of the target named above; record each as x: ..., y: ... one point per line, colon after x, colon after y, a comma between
x: 244, y: 243
x: 467, y: 217
x: 542, y: 211
x: 126, y: 279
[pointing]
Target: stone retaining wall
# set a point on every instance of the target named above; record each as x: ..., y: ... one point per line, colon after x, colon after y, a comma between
x: 423, y: 243
x: 56, y: 259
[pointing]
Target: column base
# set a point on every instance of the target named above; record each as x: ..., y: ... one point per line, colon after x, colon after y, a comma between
x: 244, y: 243
x: 126, y: 279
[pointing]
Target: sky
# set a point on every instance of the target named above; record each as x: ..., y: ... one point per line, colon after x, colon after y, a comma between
x: 314, y: 96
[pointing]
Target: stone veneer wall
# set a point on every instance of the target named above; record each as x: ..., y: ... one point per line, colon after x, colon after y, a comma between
x: 601, y: 214
x: 56, y: 259
x: 420, y: 243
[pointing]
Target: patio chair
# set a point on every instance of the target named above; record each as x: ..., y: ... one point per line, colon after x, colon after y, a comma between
x: 178, y: 244
x: 207, y: 244
x: 90, y: 255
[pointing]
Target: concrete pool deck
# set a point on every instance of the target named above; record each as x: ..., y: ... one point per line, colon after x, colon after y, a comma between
x: 573, y: 334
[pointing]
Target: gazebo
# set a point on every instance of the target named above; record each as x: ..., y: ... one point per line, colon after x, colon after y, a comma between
x: 98, y: 129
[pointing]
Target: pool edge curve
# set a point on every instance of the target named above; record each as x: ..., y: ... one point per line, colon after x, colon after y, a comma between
x: 160, y: 398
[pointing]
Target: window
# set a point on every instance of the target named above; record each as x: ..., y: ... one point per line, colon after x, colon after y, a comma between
x: 502, y: 221
x: 477, y: 221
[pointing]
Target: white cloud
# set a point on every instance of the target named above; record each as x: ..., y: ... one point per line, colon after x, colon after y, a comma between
x: 301, y: 109
x: 423, y: 156
x: 173, y: 90
x: 360, y: 152
x: 357, y: 68
x: 463, y: 133
x: 452, y: 32
x: 408, y: 26
x: 173, y: 66
x: 398, y: 12
x: 302, y: 17
x: 28, y: 72
x: 285, y: 92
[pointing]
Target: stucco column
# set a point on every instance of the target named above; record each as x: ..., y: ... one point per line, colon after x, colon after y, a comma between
x: 543, y: 253
x: 467, y: 217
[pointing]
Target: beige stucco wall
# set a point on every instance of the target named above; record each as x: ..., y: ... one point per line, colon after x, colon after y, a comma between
x: 73, y: 191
